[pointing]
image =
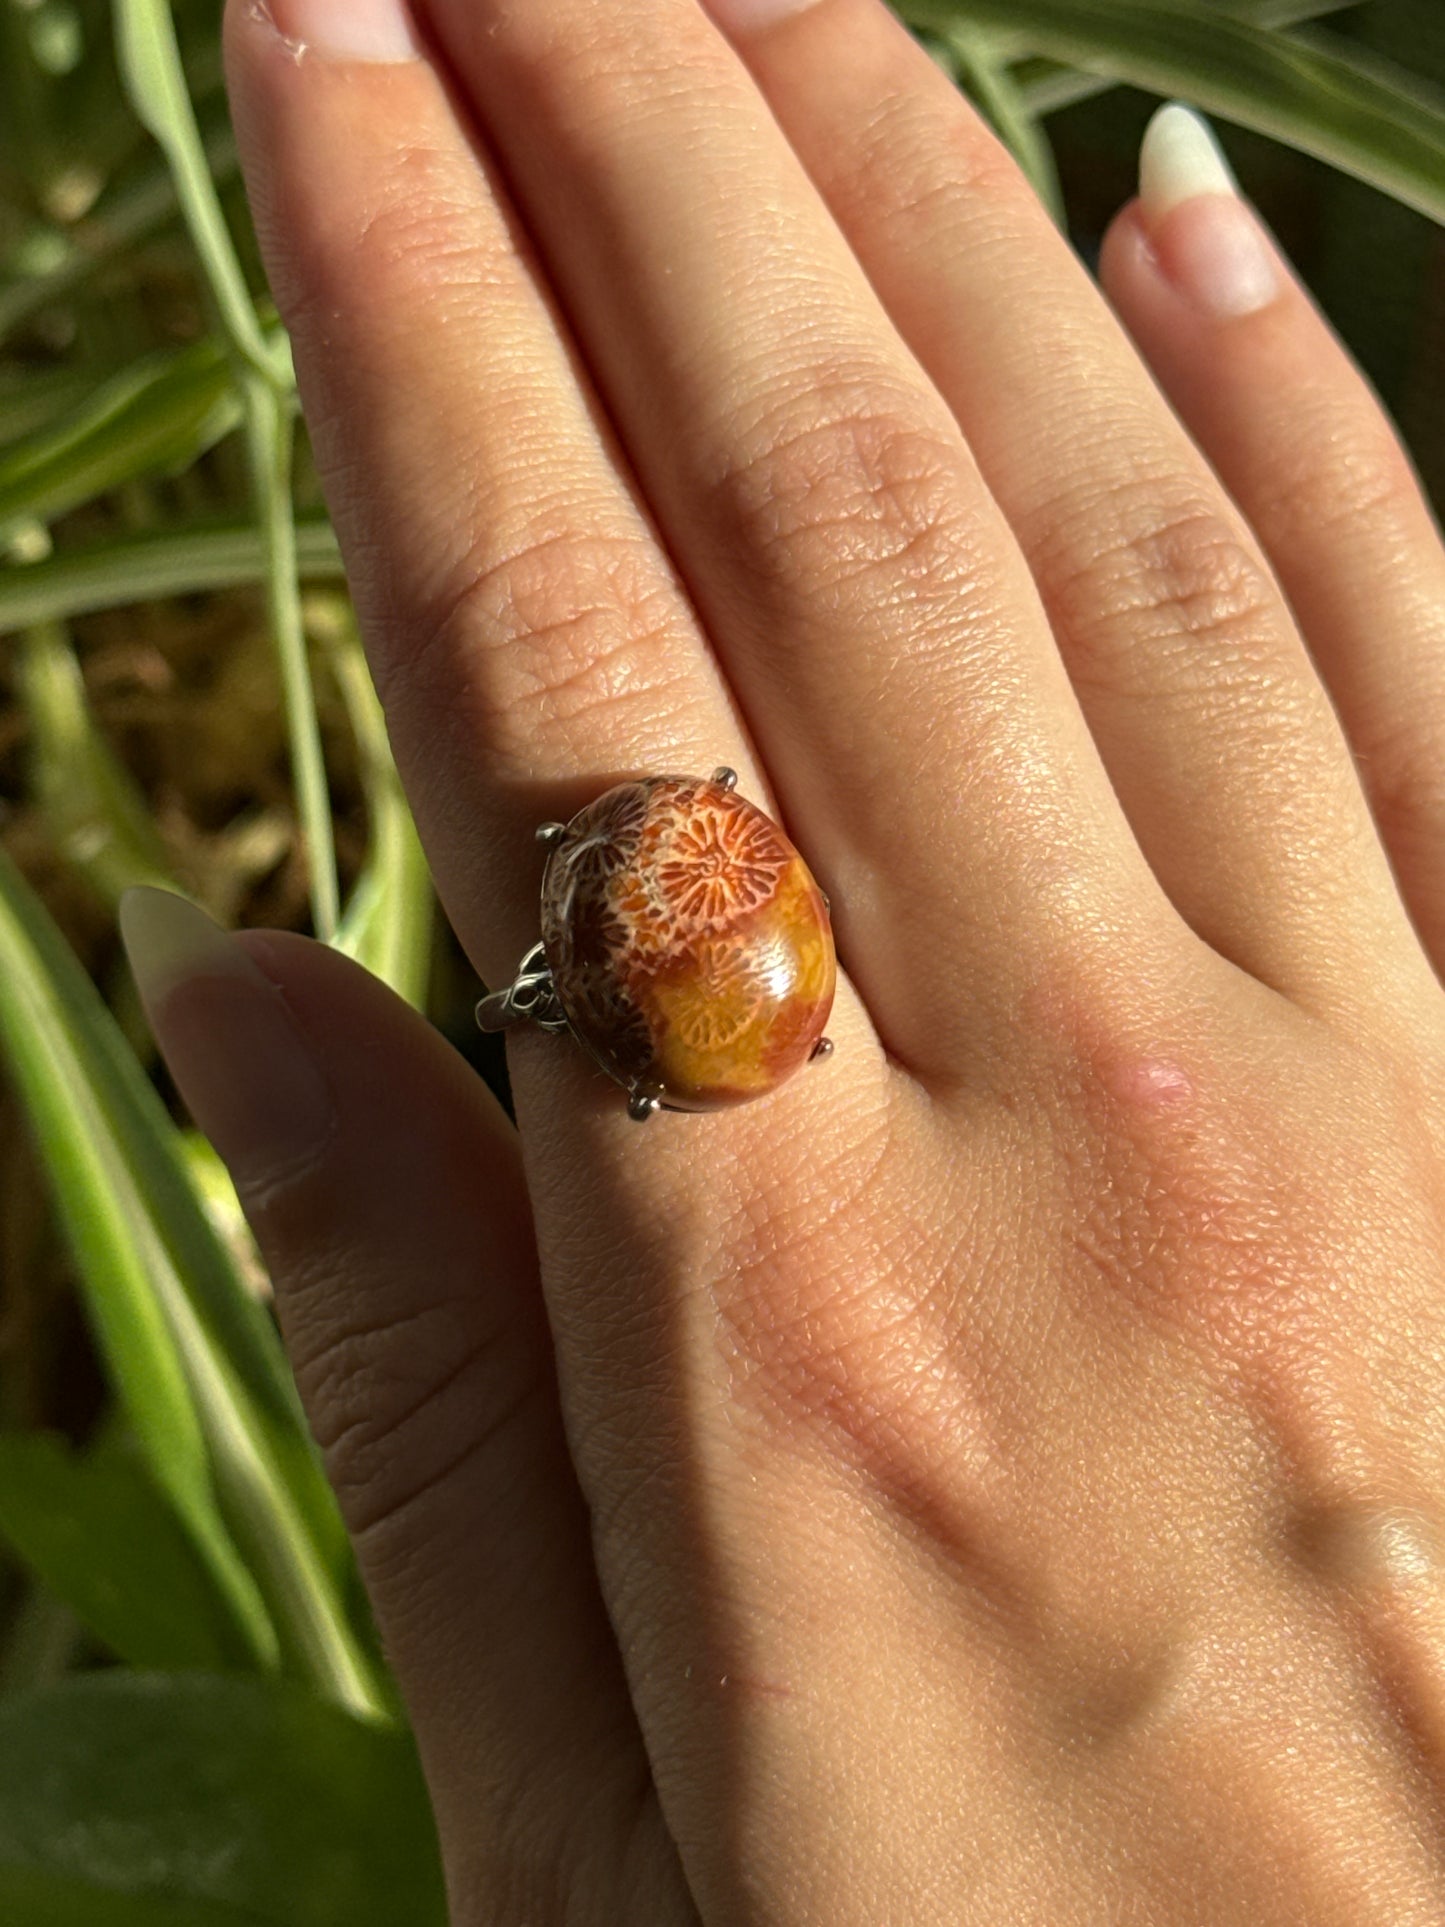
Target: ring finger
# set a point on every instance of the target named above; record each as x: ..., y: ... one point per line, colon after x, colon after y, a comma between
x: 1216, y: 731
x: 866, y: 599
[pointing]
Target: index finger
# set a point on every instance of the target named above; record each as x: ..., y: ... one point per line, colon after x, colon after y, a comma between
x: 529, y: 638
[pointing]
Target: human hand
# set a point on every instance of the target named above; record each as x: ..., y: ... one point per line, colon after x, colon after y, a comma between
x: 998, y: 1477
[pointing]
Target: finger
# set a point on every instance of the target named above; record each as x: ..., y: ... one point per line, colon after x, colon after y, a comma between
x: 529, y: 638
x: 1306, y: 450
x: 384, y: 1186
x: 866, y: 599
x: 1218, y: 738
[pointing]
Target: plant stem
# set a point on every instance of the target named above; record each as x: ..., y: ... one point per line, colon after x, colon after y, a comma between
x: 156, y: 82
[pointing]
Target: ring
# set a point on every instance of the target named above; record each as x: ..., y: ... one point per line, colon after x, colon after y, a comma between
x: 685, y: 945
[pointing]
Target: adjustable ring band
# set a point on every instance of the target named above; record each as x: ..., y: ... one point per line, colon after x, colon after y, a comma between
x: 684, y: 944
x: 531, y: 998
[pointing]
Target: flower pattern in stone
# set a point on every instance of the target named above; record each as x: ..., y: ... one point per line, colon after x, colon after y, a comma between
x: 721, y: 863
x: 689, y: 945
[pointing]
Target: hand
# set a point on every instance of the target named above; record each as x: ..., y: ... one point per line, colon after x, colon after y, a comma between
x: 999, y: 1477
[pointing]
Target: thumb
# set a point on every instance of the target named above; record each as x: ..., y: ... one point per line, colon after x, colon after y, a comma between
x: 385, y: 1189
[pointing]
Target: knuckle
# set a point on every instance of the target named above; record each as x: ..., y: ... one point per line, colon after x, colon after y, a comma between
x: 856, y: 480
x: 932, y: 165
x: 1366, y: 481
x: 621, y: 81
x: 564, y: 627
x: 1231, y: 1221
x: 414, y: 1472
x: 1144, y: 568
x: 402, y: 1404
x: 285, y: 1198
x: 413, y: 232
x: 613, y: 80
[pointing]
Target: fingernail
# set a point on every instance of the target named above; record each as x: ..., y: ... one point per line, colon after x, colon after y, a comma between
x: 739, y: 18
x: 370, y: 30
x: 1206, y: 238
x: 235, y: 1051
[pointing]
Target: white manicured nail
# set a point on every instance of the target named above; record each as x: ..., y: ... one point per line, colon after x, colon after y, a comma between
x: 1179, y: 159
x: 1207, y: 239
x: 738, y: 18
x: 378, y: 31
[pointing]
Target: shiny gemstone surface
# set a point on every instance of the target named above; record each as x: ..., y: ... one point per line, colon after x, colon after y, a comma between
x: 688, y: 943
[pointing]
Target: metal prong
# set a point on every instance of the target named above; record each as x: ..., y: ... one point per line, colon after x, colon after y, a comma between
x: 823, y: 1048
x: 551, y: 832
x: 641, y: 1105
x: 725, y: 778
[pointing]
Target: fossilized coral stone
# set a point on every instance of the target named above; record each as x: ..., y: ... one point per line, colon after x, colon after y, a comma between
x: 689, y: 945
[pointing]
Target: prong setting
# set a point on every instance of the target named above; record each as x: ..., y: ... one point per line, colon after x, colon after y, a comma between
x: 677, y: 869
x: 823, y: 1048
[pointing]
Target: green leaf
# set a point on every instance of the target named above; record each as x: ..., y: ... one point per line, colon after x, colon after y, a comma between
x: 1355, y: 111
x: 1045, y: 85
x: 32, y: 398
x: 92, y: 807
x: 155, y: 83
x: 269, y: 444
x: 156, y: 563
x: 156, y: 416
x: 99, y: 1534
x: 123, y: 1261
x: 390, y: 918
x: 233, y: 1793
x: 34, y: 1897
x: 194, y: 1358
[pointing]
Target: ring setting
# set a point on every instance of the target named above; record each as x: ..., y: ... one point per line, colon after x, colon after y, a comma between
x: 684, y: 944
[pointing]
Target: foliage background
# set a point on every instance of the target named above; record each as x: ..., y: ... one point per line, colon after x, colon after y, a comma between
x: 195, y: 1724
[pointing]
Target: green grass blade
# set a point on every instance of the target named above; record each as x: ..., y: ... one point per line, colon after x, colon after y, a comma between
x: 101, y: 1536
x: 91, y: 805
x: 1046, y: 85
x: 269, y: 443
x: 155, y: 83
x: 128, y: 1112
x: 155, y: 563
x: 195, y: 1358
x: 158, y: 415
x: 123, y: 1264
x: 390, y: 918
x: 32, y: 398
x: 1358, y: 113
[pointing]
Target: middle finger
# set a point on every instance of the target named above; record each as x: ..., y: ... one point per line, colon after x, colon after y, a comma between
x: 1214, y: 726
x: 871, y: 609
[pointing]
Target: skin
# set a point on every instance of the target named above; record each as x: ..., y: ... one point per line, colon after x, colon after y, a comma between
x: 997, y: 1478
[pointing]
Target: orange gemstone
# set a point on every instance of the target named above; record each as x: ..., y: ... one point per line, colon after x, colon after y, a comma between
x: 688, y: 943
